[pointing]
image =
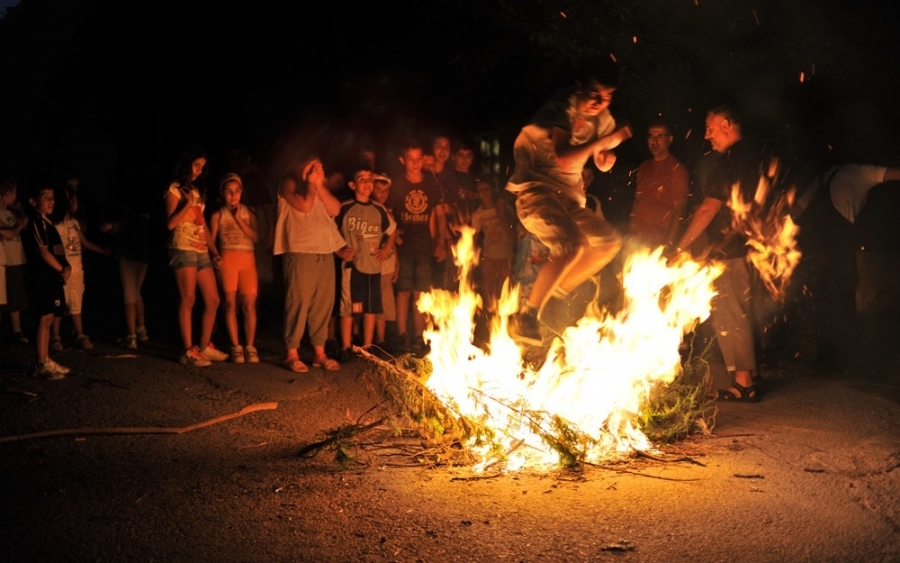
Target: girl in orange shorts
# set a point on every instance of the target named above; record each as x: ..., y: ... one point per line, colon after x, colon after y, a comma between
x: 235, y: 229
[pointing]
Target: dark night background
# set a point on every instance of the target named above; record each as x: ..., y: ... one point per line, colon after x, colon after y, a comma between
x: 338, y: 75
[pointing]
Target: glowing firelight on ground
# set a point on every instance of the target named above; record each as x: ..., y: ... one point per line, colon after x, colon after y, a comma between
x: 597, y: 375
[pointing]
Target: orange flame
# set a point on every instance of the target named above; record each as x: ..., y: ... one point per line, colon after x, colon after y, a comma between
x: 597, y: 375
x: 770, y: 231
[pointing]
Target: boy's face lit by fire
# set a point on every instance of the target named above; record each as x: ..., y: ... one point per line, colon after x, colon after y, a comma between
x: 380, y: 191
x: 363, y: 184
x: 596, y: 99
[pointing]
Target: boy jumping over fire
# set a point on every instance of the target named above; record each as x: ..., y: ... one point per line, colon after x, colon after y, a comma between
x: 551, y: 152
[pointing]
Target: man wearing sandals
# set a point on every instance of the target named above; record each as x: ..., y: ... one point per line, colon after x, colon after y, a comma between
x: 738, y: 166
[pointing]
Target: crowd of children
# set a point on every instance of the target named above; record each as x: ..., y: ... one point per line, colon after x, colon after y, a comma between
x: 363, y: 250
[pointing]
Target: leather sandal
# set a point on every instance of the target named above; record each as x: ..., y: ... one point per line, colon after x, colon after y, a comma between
x: 296, y: 365
x: 747, y: 394
x: 327, y: 364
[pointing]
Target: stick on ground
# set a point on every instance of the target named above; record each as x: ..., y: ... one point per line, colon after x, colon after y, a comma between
x: 140, y: 430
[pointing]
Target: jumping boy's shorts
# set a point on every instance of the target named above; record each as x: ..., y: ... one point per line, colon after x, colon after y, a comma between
x: 561, y: 224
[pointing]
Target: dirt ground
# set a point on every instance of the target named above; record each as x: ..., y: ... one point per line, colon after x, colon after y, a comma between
x: 808, y: 474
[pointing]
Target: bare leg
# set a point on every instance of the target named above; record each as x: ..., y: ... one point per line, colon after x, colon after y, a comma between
x: 548, y: 279
x: 42, y: 338
x: 368, y: 328
x: 206, y: 281
x: 380, y: 328
x: 16, y: 318
x: 402, y: 311
x: 187, y: 287
x: 130, y: 318
x: 588, y: 264
x: 231, y: 323
x: 248, y: 307
x: 78, y: 323
x: 418, y: 317
x: 346, y: 332
x: 139, y: 320
x: 57, y: 321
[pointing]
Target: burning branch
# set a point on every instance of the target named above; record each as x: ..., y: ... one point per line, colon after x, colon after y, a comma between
x: 770, y: 231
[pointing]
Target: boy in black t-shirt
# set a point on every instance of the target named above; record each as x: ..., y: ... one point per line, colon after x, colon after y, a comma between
x: 51, y: 271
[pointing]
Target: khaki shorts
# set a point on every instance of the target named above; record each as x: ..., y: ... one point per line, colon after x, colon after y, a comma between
x: 561, y: 224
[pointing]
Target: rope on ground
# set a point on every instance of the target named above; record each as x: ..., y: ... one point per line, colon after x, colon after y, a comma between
x: 140, y: 430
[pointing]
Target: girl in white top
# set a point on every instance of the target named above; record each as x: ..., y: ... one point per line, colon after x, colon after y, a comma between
x: 189, y: 257
x: 235, y: 229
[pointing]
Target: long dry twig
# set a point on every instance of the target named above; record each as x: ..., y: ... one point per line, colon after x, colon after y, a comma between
x: 139, y: 429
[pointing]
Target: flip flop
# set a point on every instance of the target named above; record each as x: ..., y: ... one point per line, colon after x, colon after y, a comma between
x: 295, y: 365
x: 327, y: 364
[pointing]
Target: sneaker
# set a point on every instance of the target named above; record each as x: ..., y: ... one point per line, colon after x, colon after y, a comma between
x: 141, y: 334
x: 524, y: 328
x: 45, y: 370
x: 56, y: 367
x: 193, y: 357
x: 56, y: 344
x: 20, y: 337
x: 251, y: 354
x: 210, y: 353
x: 84, y: 342
x: 129, y: 342
x: 237, y: 355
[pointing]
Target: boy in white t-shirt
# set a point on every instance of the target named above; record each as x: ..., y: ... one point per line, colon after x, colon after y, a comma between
x: 12, y: 222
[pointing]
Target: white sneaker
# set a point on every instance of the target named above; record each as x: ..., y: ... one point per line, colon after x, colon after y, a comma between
x: 237, y: 355
x: 56, y: 367
x: 252, y: 355
x: 141, y: 333
x: 210, y: 353
x: 193, y: 357
x: 50, y: 370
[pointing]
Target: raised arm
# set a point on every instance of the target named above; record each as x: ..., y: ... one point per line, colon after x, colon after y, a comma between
x: 568, y: 155
x: 251, y: 228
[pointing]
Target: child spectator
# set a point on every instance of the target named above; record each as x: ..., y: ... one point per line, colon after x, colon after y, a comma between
x: 495, y: 231
x: 389, y: 270
x: 133, y: 247
x: 235, y: 229
x: 189, y: 256
x: 368, y: 229
x: 307, y: 237
x: 12, y: 222
x: 51, y: 272
x: 71, y: 232
x: 413, y: 200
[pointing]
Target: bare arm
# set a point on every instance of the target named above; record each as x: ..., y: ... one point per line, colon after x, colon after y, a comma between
x: 10, y: 233
x: 288, y: 191
x: 569, y: 155
x: 251, y: 228
x: 92, y: 246
x: 50, y: 259
x: 680, y: 189
x: 891, y: 174
x: 213, y: 239
x: 175, y: 217
x: 707, y: 211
